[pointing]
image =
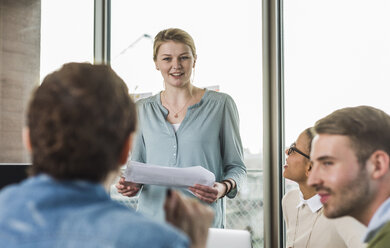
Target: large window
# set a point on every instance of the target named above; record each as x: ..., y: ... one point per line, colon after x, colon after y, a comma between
x: 37, y: 37
x: 227, y: 36
x: 66, y: 33
x: 336, y: 55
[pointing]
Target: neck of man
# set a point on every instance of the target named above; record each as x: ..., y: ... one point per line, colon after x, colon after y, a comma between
x: 368, y: 208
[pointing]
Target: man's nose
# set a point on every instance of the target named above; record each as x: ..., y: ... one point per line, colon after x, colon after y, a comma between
x: 314, y: 176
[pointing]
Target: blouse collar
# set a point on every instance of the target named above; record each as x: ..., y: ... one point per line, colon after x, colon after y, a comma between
x: 314, y: 202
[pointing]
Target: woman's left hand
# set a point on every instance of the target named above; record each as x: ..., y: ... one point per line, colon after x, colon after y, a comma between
x: 208, y: 194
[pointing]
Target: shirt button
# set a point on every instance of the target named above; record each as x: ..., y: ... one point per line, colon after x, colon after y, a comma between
x: 174, y: 154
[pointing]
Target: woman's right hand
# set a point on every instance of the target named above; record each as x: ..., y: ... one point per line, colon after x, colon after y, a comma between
x: 127, y: 188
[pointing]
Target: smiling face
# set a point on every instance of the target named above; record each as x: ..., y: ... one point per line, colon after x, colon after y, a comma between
x: 175, y: 62
x: 342, y: 183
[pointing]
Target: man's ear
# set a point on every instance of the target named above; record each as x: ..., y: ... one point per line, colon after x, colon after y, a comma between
x: 378, y: 164
x: 126, y: 149
x: 26, y: 139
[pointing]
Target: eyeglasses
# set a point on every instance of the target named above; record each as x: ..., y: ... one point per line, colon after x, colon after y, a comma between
x: 292, y: 149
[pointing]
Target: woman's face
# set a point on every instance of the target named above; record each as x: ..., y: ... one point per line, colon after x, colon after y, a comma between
x: 175, y: 62
x: 297, y: 166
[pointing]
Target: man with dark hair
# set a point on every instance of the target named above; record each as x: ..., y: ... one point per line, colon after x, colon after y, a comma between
x: 80, y: 126
x: 351, y: 173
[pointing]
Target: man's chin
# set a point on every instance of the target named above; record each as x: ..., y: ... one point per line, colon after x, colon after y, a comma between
x: 331, y: 213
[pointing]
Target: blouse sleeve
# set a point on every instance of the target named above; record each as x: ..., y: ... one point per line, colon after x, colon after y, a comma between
x: 138, y: 153
x: 231, y: 146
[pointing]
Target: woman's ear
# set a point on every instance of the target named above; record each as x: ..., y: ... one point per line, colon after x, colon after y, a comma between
x: 26, y: 139
x: 126, y: 149
x: 308, y: 168
x: 193, y: 66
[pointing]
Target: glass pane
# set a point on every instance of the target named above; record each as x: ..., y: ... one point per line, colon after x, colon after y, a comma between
x: 19, y: 72
x: 336, y: 55
x: 331, y: 63
x: 229, y: 59
x: 66, y: 33
x: 37, y: 37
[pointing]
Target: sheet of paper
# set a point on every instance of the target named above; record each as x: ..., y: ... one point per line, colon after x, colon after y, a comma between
x: 168, y: 176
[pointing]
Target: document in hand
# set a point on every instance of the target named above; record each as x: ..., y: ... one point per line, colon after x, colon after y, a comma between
x: 168, y: 176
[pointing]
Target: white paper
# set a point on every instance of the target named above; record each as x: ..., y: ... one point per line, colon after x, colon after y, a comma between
x: 168, y: 176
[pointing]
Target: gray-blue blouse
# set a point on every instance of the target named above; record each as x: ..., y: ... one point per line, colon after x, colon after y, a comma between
x: 208, y: 136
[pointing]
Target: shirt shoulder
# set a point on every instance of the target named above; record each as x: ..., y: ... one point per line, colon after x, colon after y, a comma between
x: 218, y: 96
x: 130, y: 227
x: 148, y: 100
x: 382, y: 238
x: 291, y: 198
x: 350, y: 230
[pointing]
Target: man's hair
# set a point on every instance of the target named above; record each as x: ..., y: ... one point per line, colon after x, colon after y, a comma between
x: 367, y: 128
x: 79, y: 119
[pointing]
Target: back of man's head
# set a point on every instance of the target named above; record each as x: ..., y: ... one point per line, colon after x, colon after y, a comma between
x: 79, y: 119
x: 367, y: 128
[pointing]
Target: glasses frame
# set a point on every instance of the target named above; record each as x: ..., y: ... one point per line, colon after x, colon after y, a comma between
x: 293, y: 148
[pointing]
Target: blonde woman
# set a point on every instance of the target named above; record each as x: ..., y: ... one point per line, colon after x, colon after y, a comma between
x: 183, y: 126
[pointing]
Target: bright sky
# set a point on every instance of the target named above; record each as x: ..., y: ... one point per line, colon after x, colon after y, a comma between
x: 336, y: 52
x: 336, y: 55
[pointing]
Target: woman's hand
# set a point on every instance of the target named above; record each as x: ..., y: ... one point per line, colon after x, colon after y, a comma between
x: 209, y: 194
x: 127, y: 188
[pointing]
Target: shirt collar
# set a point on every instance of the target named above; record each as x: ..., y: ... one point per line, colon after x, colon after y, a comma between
x: 314, y: 202
x: 380, y: 218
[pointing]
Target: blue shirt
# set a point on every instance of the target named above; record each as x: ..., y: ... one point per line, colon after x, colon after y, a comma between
x: 43, y: 212
x: 208, y: 136
x: 380, y: 218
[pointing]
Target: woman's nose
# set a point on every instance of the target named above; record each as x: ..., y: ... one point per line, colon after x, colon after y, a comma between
x: 176, y: 64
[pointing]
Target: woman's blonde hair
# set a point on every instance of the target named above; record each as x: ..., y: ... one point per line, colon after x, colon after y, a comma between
x: 173, y: 34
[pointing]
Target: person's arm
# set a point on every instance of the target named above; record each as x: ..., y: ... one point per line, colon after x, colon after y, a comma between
x: 190, y: 216
x: 131, y: 189
x: 231, y: 147
x: 234, y: 170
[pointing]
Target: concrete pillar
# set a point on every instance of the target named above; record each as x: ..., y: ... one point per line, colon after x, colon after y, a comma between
x: 20, y: 25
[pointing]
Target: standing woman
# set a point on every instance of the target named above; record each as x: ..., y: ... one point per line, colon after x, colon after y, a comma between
x: 302, y: 209
x: 184, y: 126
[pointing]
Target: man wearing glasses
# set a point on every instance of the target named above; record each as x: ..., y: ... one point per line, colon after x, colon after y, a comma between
x: 351, y: 171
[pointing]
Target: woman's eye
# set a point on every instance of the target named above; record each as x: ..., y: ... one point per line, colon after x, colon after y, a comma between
x: 166, y: 59
x: 184, y: 57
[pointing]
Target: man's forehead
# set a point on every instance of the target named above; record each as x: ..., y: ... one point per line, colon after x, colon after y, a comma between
x: 329, y: 145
